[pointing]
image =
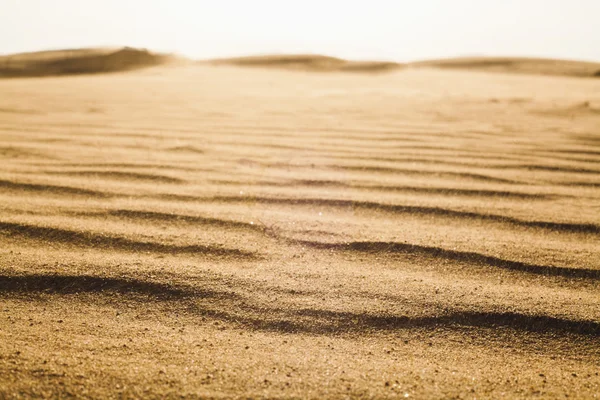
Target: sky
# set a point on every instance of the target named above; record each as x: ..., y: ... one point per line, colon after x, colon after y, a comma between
x: 398, y: 30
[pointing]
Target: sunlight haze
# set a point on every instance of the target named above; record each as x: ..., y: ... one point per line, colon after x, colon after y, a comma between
x: 378, y: 29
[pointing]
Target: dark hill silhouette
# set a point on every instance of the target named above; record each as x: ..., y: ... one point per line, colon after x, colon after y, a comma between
x: 81, y: 61
x: 105, y: 60
x: 322, y: 63
x: 538, y: 66
x: 308, y: 62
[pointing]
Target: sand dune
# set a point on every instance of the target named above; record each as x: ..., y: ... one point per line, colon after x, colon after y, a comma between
x: 533, y: 66
x: 103, y: 60
x: 536, y: 66
x: 79, y: 61
x: 308, y: 62
x: 223, y: 232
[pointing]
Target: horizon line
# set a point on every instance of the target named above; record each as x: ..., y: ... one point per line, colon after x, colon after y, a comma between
x: 285, y: 53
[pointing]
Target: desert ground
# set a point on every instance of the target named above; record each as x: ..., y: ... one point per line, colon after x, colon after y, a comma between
x: 211, y: 230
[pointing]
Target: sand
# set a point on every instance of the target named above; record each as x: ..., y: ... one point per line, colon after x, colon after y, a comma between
x: 506, y: 65
x: 518, y: 65
x: 227, y: 232
x: 81, y: 62
x: 308, y: 62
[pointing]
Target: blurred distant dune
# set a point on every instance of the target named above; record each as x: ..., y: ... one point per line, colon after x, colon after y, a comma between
x: 102, y: 60
x: 316, y: 62
x: 541, y: 66
x: 79, y: 61
x: 310, y: 62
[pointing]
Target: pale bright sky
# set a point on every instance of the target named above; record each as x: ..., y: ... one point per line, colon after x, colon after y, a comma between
x: 367, y: 29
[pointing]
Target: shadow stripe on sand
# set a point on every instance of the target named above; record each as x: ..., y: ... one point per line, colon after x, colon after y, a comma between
x: 232, y: 308
x: 138, y: 215
x: 398, y: 209
x: 439, y: 174
x: 98, y: 240
x: 315, y: 321
x: 454, y: 255
x: 121, y: 175
x: 444, y: 191
x: 126, y: 286
x: 50, y: 189
x: 69, y: 284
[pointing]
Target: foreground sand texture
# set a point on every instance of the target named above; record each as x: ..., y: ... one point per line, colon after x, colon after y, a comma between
x: 226, y: 232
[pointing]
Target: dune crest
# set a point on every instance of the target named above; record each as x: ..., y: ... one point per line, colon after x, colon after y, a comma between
x: 524, y: 65
x: 323, y: 63
x: 308, y: 62
x: 104, y: 60
x: 79, y: 61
